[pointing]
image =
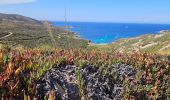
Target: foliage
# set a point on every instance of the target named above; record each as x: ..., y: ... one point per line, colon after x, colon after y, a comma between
x: 21, y: 69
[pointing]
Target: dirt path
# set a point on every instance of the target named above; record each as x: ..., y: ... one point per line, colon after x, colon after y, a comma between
x: 10, y: 33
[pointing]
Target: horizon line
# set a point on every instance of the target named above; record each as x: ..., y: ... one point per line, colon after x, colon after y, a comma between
x: 109, y: 22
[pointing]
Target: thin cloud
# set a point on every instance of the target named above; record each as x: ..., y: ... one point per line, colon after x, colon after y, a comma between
x: 15, y: 1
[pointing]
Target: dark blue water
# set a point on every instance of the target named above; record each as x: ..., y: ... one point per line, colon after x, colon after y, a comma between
x: 109, y: 32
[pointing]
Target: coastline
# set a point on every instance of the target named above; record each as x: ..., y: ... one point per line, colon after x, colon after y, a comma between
x: 150, y: 43
x: 104, y: 33
x: 124, y: 39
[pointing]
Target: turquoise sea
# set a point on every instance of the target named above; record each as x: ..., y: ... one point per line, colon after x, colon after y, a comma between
x: 108, y: 32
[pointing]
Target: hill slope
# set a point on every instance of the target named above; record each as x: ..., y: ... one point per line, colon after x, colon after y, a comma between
x: 13, y: 18
x: 32, y: 33
x: 159, y: 43
x: 152, y: 43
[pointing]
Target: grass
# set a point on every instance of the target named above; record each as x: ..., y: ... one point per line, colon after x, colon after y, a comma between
x: 33, y: 35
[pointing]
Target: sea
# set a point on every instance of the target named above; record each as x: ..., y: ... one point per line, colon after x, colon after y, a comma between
x: 106, y: 33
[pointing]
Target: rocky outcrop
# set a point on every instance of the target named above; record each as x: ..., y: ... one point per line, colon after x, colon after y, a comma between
x: 105, y: 87
x: 61, y: 81
x: 97, y: 86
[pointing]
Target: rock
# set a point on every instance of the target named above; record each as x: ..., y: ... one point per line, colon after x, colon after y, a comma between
x: 62, y: 80
x: 98, y: 87
x: 105, y: 87
x: 125, y: 70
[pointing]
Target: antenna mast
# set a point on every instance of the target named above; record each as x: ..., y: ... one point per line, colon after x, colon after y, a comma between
x: 67, y: 28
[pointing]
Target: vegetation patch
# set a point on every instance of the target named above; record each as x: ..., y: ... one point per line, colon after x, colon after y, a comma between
x: 87, y: 73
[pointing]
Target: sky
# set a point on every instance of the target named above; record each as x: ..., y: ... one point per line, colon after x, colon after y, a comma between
x: 123, y: 11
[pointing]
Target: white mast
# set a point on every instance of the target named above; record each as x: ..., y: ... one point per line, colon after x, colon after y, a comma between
x: 67, y: 28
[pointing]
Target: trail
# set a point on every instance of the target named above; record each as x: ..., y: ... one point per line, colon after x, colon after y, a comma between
x: 10, y: 33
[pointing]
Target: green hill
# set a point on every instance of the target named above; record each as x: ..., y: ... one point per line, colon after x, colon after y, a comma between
x: 28, y: 32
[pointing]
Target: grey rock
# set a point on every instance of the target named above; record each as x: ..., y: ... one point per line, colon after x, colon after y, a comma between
x: 62, y: 80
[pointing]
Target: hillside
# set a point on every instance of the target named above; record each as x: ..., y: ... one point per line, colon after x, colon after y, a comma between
x: 13, y: 18
x: 151, y: 43
x: 20, y: 30
x: 159, y: 43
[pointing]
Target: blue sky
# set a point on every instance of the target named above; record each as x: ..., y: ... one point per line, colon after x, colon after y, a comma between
x: 133, y: 11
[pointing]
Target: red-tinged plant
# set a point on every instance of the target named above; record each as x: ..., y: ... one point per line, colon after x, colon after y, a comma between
x: 31, y: 64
